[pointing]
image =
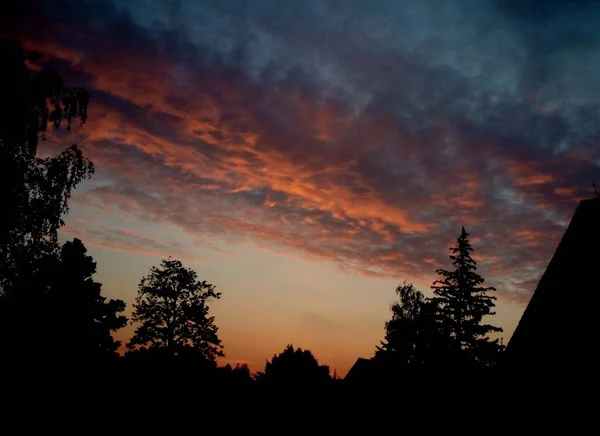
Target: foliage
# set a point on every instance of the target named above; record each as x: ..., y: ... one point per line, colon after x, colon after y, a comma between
x: 239, y: 375
x: 35, y: 190
x: 463, y: 304
x: 61, y: 300
x: 294, y: 366
x: 87, y: 312
x: 413, y: 335
x: 47, y: 292
x: 171, y: 307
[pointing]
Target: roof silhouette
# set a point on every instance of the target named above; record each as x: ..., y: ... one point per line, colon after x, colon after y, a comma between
x: 361, y: 370
x: 372, y: 371
x: 559, y: 327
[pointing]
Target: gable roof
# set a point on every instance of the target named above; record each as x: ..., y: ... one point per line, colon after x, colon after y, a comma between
x: 560, y: 324
x: 361, y: 369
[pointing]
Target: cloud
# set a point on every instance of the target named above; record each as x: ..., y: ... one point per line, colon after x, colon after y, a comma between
x: 365, y: 134
x: 94, y: 234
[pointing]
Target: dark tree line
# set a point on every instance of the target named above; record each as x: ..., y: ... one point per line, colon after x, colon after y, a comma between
x: 294, y: 367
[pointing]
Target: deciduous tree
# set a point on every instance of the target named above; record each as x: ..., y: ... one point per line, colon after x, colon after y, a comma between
x: 294, y: 367
x: 172, y: 311
x: 89, y: 316
x: 413, y: 336
x: 59, y: 312
x: 35, y: 190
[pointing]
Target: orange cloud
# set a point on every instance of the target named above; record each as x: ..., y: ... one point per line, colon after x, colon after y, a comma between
x: 564, y: 192
x: 527, y: 173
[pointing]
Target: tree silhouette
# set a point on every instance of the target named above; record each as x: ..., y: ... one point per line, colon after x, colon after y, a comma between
x: 238, y: 376
x: 61, y: 301
x: 35, y: 191
x: 463, y: 303
x: 91, y: 317
x: 47, y: 293
x: 171, y: 307
x: 294, y: 367
x: 413, y: 335
x: 241, y: 373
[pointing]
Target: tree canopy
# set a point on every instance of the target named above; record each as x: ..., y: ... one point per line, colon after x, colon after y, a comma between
x: 91, y: 316
x: 61, y: 301
x: 294, y: 366
x: 47, y: 292
x: 413, y: 335
x: 172, y: 311
x: 35, y: 190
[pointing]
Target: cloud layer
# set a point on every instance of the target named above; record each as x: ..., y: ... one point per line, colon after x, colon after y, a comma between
x: 364, y: 133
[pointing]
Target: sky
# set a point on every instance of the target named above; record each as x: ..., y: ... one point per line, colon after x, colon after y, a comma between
x: 306, y: 157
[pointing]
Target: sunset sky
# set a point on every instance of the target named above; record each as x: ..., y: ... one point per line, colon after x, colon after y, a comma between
x: 308, y: 156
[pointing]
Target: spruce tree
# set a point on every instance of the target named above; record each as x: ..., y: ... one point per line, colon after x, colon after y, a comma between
x: 463, y: 303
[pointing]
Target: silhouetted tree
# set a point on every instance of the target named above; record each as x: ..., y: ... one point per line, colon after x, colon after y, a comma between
x: 413, y: 336
x: 34, y: 191
x: 86, y: 312
x: 462, y: 305
x: 59, y: 312
x: 241, y: 372
x: 238, y: 376
x: 171, y: 307
x: 294, y: 367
